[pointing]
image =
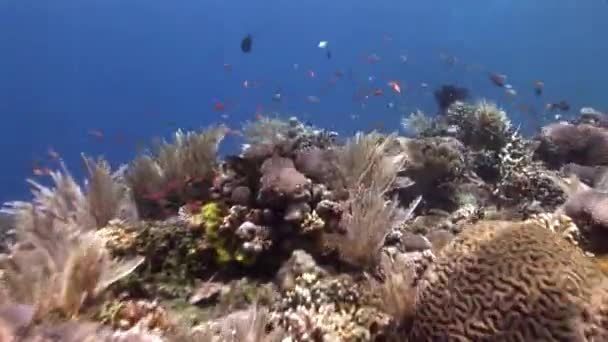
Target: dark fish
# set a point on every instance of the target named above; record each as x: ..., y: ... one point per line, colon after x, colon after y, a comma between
x: 247, y: 43
x: 498, y: 79
x: 561, y: 105
x: 538, y: 88
x: 328, y: 53
x: 448, y: 94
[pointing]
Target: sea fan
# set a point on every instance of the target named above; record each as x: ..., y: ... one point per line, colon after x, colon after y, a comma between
x: 108, y: 196
x: 191, y: 156
x: 364, y: 160
x: 58, y: 263
x: 366, y: 222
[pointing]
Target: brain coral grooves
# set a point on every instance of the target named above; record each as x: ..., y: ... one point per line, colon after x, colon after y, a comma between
x: 506, y: 281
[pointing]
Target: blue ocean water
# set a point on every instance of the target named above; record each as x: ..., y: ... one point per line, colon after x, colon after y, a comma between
x: 134, y: 69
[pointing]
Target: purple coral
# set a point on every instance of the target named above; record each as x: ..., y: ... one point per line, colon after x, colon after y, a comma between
x: 588, y: 206
x: 316, y: 163
x: 567, y: 143
x: 280, y: 180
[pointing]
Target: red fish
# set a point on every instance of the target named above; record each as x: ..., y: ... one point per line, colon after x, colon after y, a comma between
x: 378, y: 92
x: 39, y: 170
x: 219, y: 107
x: 373, y: 58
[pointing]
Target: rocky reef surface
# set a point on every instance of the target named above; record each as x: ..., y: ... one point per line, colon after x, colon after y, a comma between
x: 465, y: 231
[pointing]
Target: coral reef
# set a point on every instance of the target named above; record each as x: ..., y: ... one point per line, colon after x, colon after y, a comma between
x: 464, y: 230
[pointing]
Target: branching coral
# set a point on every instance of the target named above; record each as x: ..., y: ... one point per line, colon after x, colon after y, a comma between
x: 524, y: 181
x: 329, y: 309
x: 506, y: 281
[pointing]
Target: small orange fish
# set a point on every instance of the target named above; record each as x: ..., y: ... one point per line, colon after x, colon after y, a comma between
x: 395, y: 86
x: 373, y: 58
x: 378, y: 92
x: 219, y: 107
x: 39, y: 170
x: 43, y: 171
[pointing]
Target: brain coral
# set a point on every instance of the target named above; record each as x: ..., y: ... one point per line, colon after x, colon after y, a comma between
x: 506, y: 281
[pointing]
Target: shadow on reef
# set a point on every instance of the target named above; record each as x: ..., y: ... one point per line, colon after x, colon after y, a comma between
x: 309, y: 237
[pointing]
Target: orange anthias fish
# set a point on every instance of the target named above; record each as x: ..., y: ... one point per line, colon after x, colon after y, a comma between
x: 395, y: 86
x: 219, y: 106
x: 39, y: 170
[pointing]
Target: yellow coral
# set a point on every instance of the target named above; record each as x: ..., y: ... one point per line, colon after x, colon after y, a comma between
x: 211, y: 217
